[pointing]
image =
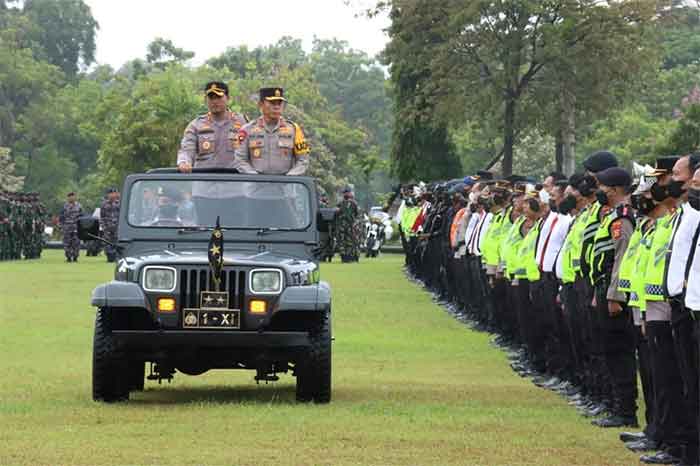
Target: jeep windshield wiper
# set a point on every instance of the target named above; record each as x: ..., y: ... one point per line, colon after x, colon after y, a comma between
x: 185, y: 230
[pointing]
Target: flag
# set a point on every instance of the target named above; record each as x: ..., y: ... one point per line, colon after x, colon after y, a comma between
x: 216, y: 254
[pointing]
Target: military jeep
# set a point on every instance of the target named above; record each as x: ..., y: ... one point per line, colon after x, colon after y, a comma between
x: 217, y: 270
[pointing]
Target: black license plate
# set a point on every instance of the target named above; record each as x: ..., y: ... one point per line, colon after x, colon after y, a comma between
x: 207, y: 318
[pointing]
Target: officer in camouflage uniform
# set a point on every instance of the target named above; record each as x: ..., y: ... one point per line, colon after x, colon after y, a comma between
x: 272, y: 144
x: 348, y: 233
x: 38, y: 224
x: 109, y: 219
x: 72, y: 210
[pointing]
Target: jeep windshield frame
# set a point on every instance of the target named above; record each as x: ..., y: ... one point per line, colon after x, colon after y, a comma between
x: 129, y: 230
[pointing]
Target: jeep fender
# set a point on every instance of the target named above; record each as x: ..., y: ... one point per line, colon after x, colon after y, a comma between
x: 316, y: 297
x: 120, y: 294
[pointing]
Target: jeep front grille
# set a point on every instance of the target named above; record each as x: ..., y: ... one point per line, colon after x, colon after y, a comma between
x: 193, y: 281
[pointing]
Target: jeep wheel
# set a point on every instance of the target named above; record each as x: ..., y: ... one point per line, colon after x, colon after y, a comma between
x: 110, y: 380
x: 314, y: 369
x: 136, y: 375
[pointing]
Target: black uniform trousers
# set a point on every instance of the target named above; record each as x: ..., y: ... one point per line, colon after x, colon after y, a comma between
x: 619, y: 350
x: 686, y: 348
x: 670, y: 415
x: 646, y: 375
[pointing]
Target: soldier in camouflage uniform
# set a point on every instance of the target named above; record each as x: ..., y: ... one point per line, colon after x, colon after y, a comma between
x: 72, y: 210
x: 38, y: 224
x: 109, y: 219
x: 347, y: 232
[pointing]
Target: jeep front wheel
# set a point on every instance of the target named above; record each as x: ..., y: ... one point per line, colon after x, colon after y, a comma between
x: 110, y: 376
x: 314, y: 369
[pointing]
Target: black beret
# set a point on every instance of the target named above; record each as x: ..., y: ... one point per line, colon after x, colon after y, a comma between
x: 614, y: 176
x: 599, y: 161
x: 70, y: 194
x: 216, y: 87
x: 515, y: 178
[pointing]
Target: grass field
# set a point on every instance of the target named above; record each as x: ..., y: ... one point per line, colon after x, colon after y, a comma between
x: 412, y: 386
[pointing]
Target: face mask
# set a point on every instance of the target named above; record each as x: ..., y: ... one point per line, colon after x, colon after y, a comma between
x: 602, y: 197
x: 675, y: 189
x: 587, y: 186
x: 658, y: 193
x: 544, y: 197
x: 694, y: 198
x: 473, y: 197
x: 567, y: 204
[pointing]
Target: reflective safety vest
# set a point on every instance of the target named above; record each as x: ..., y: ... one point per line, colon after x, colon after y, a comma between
x: 590, y: 227
x: 526, y: 262
x: 603, y: 248
x: 571, y: 249
x: 510, y: 245
x: 637, y: 296
x: 492, y: 238
x: 629, y: 260
x: 656, y: 262
x: 410, y: 214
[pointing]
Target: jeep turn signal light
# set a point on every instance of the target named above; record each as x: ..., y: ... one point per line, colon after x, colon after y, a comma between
x: 257, y: 306
x: 166, y: 304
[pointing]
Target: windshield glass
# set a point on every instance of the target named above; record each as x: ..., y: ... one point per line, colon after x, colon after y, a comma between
x: 239, y: 204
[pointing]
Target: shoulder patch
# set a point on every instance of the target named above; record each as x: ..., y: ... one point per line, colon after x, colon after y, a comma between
x: 242, y: 134
x: 616, y: 229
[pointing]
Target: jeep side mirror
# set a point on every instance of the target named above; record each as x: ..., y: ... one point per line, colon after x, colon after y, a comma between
x: 326, y: 216
x: 88, y: 226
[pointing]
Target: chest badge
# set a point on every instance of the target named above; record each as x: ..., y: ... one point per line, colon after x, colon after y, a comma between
x: 206, y: 145
x: 256, y: 153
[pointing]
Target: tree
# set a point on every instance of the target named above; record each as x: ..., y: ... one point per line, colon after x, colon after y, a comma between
x: 162, y: 52
x: 490, y: 57
x: 8, y: 180
x: 686, y: 137
x: 421, y: 144
x: 67, y: 32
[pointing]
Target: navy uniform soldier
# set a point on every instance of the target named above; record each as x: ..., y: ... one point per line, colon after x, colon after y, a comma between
x: 109, y: 216
x: 272, y: 144
x: 211, y: 140
x: 72, y: 210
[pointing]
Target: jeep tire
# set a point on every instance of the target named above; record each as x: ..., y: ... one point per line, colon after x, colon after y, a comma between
x: 110, y: 380
x: 314, y: 368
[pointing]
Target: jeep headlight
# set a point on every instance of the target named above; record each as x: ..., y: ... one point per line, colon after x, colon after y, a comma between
x: 266, y: 281
x: 159, y: 279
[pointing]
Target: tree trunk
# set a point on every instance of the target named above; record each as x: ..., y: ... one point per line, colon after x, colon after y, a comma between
x: 558, y: 153
x: 508, y: 137
x: 568, y: 132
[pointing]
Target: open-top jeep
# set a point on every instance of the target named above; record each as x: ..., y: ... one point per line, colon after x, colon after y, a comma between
x: 217, y: 270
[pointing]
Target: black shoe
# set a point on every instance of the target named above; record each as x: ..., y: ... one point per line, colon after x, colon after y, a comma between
x: 660, y: 457
x: 616, y: 421
x: 642, y: 445
x: 632, y: 436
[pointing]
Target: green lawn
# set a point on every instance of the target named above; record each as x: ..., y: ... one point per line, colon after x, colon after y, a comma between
x: 412, y: 386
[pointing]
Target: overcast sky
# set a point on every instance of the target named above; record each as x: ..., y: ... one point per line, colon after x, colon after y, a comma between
x: 207, y: 28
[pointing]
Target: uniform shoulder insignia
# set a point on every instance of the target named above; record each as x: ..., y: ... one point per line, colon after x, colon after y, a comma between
x: 616, y: 229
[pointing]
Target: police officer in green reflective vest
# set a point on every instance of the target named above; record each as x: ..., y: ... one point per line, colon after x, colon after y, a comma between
x: 610, y: 305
